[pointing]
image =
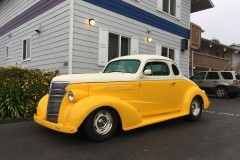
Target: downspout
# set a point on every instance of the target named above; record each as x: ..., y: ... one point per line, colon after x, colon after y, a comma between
x: 70, y: 58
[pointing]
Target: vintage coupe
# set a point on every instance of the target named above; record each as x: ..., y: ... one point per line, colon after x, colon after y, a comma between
x: 131, y: 92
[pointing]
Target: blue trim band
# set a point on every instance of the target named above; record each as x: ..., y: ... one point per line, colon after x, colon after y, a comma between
x: 130, y: 11
x: 32, y: 12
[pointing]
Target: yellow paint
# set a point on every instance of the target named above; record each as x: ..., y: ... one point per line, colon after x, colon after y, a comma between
x: 138, y: 103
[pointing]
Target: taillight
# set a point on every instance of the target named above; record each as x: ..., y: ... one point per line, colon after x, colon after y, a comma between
x: 235, y: 82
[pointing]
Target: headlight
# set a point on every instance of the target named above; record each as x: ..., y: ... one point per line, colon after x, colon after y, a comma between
x: 70, y: 96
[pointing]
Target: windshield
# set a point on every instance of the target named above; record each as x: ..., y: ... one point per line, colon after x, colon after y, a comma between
x: 125, y: 66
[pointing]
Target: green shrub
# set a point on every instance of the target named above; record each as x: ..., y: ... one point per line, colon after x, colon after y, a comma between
x: 21, y: 89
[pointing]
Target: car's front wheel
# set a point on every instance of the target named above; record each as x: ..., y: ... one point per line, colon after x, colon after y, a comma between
x: 221, y: 92
x: 101, y: 124
x: 195, y: 110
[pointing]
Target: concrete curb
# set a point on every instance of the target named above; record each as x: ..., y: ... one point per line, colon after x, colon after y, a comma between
x: 17, y: 120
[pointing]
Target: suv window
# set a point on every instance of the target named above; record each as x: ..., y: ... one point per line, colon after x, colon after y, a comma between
x: 237, y: 75
x: 212, y: 75
x: 227, y: 75
x: 200, y: 75
x: 158, y: 68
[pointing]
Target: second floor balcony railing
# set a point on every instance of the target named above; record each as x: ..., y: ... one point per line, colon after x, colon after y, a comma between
x: 209, y: 61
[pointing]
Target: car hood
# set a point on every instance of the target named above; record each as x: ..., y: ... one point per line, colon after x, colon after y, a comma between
x: 96, y: 77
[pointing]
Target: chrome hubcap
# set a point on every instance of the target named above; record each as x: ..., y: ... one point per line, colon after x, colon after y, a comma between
x: 220, y: 92
x: 102, y: 122
x: 195, y: 107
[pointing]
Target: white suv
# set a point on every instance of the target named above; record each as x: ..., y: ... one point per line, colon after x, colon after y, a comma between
x: 222, y: 83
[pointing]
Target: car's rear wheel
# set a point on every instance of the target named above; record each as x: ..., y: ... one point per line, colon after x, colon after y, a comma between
x: 195, y: 109
x: 101, y: 124
x: 221, y: 92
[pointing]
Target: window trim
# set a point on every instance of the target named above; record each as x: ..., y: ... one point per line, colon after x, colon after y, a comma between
x: 9, y: 53
x: 158, y: 61
x: 168, y: 51
x: 166, y: 13
x: 27, y: 59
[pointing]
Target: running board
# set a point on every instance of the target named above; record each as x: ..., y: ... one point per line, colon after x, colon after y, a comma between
x: 155, y: 119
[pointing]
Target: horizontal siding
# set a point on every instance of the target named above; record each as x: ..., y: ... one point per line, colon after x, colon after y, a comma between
x: 49, y: 49
x: 151, y: 6
x: 86, y: 38
x: 12, y: 8
x: 141, y: 15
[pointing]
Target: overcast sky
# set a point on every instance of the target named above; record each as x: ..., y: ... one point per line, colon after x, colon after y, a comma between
x: 221, y: 22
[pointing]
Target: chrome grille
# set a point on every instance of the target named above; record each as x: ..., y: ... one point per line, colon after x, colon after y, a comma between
x: 56, y: 93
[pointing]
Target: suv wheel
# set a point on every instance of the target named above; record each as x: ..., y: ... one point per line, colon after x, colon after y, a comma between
x: 221, y: 92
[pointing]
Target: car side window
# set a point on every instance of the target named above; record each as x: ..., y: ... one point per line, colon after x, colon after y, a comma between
x: 175, y: 70
x: 200, y: 75
x: 158, y: 68
x: 237, y: 75
x: 227, y: 75
x: 212, y: 75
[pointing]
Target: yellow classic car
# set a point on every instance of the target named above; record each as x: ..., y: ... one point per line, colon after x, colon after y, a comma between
x: 131, y: 92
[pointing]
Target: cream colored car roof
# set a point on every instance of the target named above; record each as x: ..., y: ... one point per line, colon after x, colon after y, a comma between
x: 143, y: 57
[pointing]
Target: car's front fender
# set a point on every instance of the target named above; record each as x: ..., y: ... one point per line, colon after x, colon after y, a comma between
x: 78, y: 112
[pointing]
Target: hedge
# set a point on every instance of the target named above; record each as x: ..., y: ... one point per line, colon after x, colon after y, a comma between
x: 21, y: 89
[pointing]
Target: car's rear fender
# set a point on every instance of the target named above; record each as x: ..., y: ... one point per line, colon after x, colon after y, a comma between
x: 188, y: 97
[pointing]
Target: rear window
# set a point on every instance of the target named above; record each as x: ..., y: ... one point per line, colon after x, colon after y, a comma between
x: 237, y: 75
x: 227, y: 75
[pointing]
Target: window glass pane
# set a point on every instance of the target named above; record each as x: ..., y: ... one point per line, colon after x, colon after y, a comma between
x: 175, y: 70
x: 125, y: 46
x: 227, y: 75
x: 200, y: 75
x: 113, y: 46
x: 160, y: 69
x: 237, y: 76
x: 212, y: 75
x: 171, y: 54
x: 172, y: 7
x: 165, y: 5
x: 164, y: 51
x: 7, y: 51
x: 24, y: 49
x: 126, y: 66
x: 28, y: 48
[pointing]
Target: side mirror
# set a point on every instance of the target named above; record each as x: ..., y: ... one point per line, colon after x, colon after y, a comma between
x: 147, y: 72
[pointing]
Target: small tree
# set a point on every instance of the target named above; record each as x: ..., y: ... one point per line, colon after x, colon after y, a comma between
x: 215, y: 40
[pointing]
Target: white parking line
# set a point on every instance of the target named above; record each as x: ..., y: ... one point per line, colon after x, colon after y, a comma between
x: 227, y: 114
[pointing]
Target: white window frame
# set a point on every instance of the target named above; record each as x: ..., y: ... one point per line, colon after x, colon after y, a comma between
x: 8, y: 50
x: 30, y: 48
x: 104, y: 45
x: 120, y: 42
x: 176, y: 54
x: 177, y: 7
x: 167, y: 50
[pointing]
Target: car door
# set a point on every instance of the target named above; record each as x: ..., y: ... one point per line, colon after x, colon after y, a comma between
x: 211, y: 82
x: 199, y: 79
x: 156, y: 91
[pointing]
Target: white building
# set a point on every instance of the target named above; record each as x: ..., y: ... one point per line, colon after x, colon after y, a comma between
x: 56, y: 33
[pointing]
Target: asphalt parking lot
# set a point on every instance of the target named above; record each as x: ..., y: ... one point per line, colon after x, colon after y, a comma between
x: 216, y: 136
